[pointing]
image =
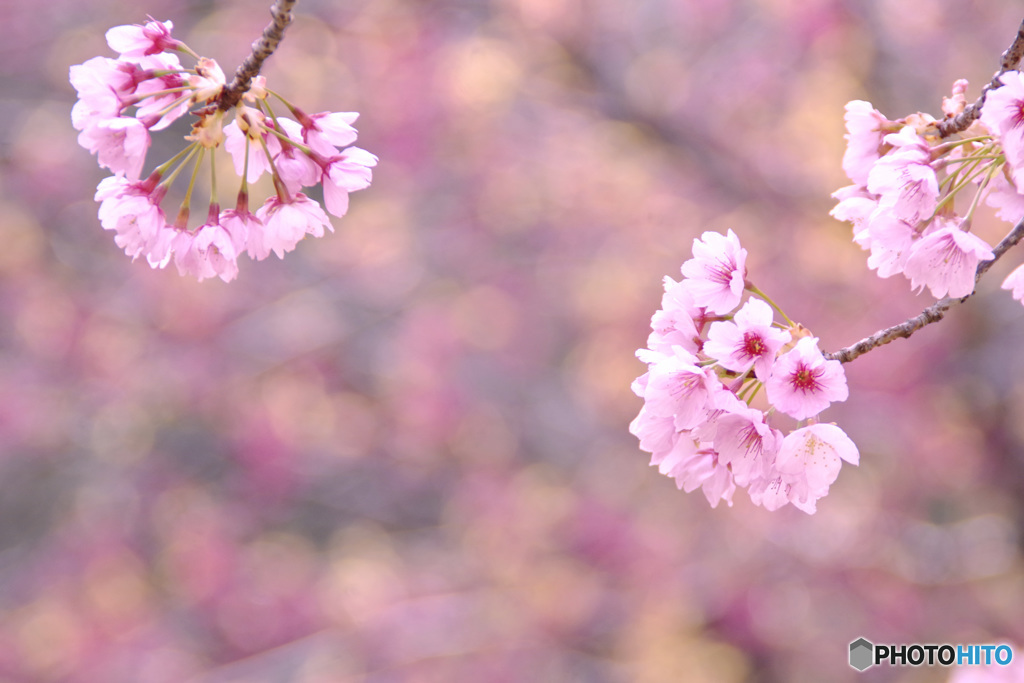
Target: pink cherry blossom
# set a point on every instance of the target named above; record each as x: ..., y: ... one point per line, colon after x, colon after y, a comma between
x: 1004, y: 197
x: 674, y: 452
x: 957, y: 102
x: 103, y: 76
x: 120, y: 101
x: 866, y: 127
x: 132, y: 210
x: 284, y: 223
x: 715, y: 275
x: 159, y: 104
x: 856, y: 205
x: 675, y: 323
x: 139, y: 41
x: 206, y: 252
x: 695, y: 465
x: 678, y: 455
x: 159, y: 249
x: 770, y: 492
x: 890, y: 240
x: 803, y: 383
x: 160, y: 62
x: 104, y: 86
x: 721, y: 402
x: 1003, y: 114
x: 328, y: 131
x: 208, y: 81
x: 904, y: 180
x: 749, y: 340
x: 235, y: 144
x: 86, y: 113
x: 746, y: 443
x: 257, y: 89
x: 346, y: 172
x: 295, y: 168
x: 239, y: 223
x: 809, y: 461
x: 677, y: 387
x: 1015, y: 282
x: 119, y: 144
x: 657, y: 434
x: 946, y: 261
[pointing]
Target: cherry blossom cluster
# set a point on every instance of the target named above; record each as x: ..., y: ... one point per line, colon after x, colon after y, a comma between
x: 706, y: 363
x: 907, y: 177
x: 121, y: 101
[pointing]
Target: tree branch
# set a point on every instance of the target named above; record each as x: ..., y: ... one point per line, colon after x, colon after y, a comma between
x: 933, y: 313
x: 1009, y: 62
x: 281, y: 12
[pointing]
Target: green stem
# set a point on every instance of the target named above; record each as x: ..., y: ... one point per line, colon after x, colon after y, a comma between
x: 978, y: 157
x: 182, y: 47
x: 175, y: 103
x: 244, y: 189
x: 953, y: 179
x: 754, y: 387
x: 754, y: 290
x: 757, y: 389
x: 191, y: 149
x: 187, y: 201
x: 282, y: 192
x: 284, y: 101
x: 945, y: 147
x: 971, y: 175
x: 213, y: 179
x: 992, y: 170
x: 284, y: 137
x: 161, y: 93
x: 187, y: 155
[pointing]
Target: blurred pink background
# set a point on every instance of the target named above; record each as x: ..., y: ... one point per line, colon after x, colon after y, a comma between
x: 401, y: 454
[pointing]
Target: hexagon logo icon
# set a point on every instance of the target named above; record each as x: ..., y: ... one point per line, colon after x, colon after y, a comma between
x: 861, y: 651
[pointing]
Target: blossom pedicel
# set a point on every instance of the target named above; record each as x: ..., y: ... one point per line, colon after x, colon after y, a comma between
x: 704, y: 366
x: 121, y: 101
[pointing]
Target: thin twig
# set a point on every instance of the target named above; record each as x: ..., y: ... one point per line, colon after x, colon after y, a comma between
x: 281, y: 12
x: 1009, y: 62
x: 933, y: 313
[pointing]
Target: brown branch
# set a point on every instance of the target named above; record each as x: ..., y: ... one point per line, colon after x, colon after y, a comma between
x: 1009, y: 62
x: 281, y: 12
x: 933, y: 313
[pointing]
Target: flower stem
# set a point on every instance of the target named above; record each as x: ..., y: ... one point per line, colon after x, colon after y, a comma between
x: 754, y: 290
x: 982, y: 186
x: 187, y: 201
x: 182, y: 47
x: 282, y: 192
x: 213, y: 179
x: 188, y: 151
x: 970, y: 174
